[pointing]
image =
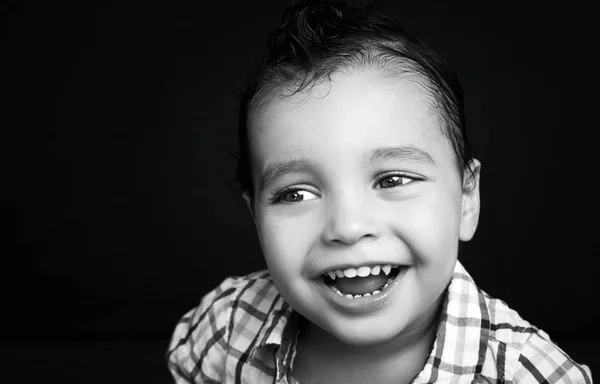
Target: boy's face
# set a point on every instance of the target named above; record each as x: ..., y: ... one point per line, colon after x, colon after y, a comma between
x: 357, y: 173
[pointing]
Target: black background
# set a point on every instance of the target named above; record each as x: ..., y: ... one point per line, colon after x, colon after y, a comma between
x: 119, y: 136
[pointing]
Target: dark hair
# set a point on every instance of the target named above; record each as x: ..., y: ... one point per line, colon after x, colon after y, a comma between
x: 316, y: 40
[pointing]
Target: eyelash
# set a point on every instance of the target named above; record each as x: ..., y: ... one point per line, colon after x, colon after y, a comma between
x: 278, y: 196
x: 401, y: 175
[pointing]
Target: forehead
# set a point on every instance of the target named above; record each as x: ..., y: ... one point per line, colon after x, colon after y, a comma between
x: 350, y: 113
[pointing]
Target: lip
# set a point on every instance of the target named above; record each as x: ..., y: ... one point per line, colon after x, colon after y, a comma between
x: 362, y: 304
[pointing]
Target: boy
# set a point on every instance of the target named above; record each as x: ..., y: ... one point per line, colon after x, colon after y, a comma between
x: 356, y: 169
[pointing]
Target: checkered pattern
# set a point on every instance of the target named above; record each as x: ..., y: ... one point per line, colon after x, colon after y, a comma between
x: 244, y: 332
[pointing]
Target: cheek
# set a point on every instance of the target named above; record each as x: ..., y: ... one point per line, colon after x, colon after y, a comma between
x: 285, y: 244
x: 430, y: 227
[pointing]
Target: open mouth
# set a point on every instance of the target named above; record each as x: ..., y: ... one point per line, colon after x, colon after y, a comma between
x: 354, y: 283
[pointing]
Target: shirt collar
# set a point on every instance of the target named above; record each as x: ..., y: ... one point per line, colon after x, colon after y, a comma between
x: 279, y: 333
x: 463, y: 332
x: 461, y: 337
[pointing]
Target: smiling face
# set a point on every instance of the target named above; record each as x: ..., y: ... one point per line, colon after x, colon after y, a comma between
x: 357, y: 173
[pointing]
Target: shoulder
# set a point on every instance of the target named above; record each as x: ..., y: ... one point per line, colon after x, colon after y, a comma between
x: 506, y: 325
x: 527, y: 352
x: 200, y: 342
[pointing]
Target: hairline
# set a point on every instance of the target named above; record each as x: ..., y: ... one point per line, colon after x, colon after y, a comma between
x: 382, y: 63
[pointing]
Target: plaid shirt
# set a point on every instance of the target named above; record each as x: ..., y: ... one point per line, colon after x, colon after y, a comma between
x: 244, y: 332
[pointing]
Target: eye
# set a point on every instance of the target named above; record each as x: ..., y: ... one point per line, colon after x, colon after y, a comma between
x: 295, y: 196
x: 395, y: 180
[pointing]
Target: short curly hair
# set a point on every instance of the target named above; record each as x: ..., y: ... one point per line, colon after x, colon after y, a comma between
x: 317, y: 39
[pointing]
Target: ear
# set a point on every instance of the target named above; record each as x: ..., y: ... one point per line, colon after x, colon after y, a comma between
x: 248, y: 199
x: 470, y: 201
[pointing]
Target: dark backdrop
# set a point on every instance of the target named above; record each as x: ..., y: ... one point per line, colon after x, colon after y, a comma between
x: 119, y: 123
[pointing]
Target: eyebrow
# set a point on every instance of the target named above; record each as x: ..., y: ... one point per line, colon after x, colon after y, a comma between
x: 405, y: 154
x: 280, y: 168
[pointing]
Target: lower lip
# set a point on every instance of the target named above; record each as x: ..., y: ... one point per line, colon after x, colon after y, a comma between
x: 361, y: 304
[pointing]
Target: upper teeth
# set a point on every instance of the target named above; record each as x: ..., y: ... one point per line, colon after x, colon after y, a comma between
x: 362, y: 271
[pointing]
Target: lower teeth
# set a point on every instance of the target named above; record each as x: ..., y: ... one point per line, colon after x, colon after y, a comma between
x: 349, y: 296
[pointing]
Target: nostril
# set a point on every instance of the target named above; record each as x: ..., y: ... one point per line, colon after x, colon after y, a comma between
x: 349, y: 228
x: 348, y: 239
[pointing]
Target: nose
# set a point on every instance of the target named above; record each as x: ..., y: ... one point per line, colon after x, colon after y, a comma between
x: 349, y: 220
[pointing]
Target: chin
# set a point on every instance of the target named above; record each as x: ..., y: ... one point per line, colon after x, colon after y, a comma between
x: 363, y: 335
x: 366, y: 340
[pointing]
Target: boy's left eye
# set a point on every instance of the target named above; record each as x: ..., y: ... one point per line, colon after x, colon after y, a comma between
x: 391, y: 181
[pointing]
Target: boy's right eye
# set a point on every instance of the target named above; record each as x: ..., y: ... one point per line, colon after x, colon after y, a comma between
x: 294, y: 195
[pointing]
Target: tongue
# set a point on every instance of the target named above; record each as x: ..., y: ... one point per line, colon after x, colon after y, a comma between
x: 361, y: 285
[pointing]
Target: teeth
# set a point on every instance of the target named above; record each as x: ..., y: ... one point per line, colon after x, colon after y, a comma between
x: 337, y: 291
x: 350, y: 272
x: 350, y: 296
x: 362, y: 271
